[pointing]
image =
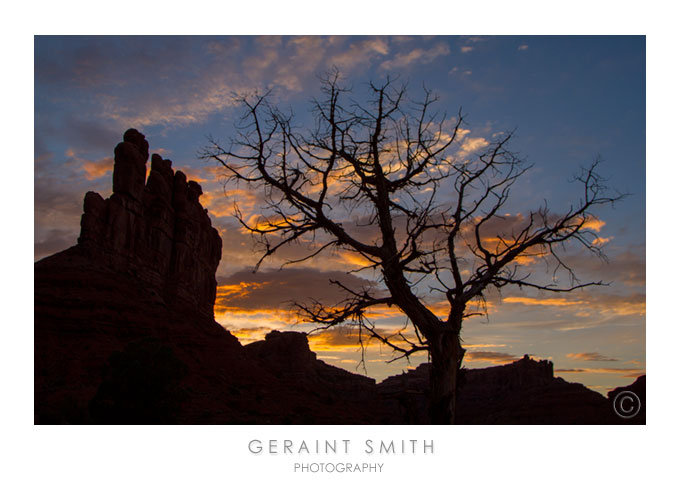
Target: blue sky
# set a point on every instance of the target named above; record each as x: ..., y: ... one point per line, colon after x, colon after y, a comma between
x: 568, y: 99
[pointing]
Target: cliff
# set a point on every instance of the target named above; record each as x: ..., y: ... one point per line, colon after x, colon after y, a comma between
x: 124, y: 329
x: 156, y: 230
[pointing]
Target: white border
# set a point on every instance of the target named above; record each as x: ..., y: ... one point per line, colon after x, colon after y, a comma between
x: 218, y: 454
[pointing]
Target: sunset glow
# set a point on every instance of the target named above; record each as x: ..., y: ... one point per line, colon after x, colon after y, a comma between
x: 569, y: 101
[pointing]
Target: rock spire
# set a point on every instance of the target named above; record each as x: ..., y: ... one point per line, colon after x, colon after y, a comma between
x: 154, y: 227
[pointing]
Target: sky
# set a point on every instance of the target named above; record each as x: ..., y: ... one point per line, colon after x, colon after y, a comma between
x: 569, y: 100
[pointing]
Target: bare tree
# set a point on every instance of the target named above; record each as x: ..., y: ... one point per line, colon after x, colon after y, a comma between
x: 389, y: 181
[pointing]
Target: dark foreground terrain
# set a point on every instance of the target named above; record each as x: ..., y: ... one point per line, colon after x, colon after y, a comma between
x: 125, y: 333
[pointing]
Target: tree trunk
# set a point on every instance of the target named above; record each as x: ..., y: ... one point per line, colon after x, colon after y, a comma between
x: 446, y: 356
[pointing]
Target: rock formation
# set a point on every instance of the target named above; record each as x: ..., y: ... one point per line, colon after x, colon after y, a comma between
x: 522, y: 392
x: 288, y: 355
x: 156, y: 230
x: 124, y: 328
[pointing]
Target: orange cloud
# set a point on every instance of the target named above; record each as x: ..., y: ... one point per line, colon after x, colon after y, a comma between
x: 543, y: 301
x: 593, y: 223
x: 240, y: 289
x: 630, y: 373
x: 498, y: 244
x: 591, y: 356
x: 600, y: 241
x: 347, y: 338
x: 489, y: 357
x: 193, y: 174
x: 263, y: 223
x: 336, y: 339
x: 220, y: 202
x: 97, y: 169
x: 483, y: 346
x: 230, y: 313
x: 269, y: 290
x: 353, y: 259
x: 589, y: 303
x: 249, y: 334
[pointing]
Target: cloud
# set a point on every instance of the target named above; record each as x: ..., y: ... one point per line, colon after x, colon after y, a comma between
x: 416, y: 56
x: 345, y: 338
x: 53, y: 241
x: 249, y: 334
x: 617, y: 304
x: 97, y: 169
x: 489, y: 357
x: 105, y: 76
x: 84, y: 130
x: 466, y: 48
x: 293, y: 63
x: 405, y: 39
x: 601, y: 241
x: 359, y: 52
x: 336, y: 339
x: 629, y: 372
x: 273, y: 289
x: 196, y: 174
x: 588, y: 303
x: 626, y: 267
x: 111, y: 71
x: 220, y: 199
x: 591, y: 356
x: 522, y: 47
x: 166, y: 109
x: 471, y: 145
x: 594, y: 224
x: 524, y: 300
x: 51, y: 198
x: 483, y: 346
x: 58, y: 189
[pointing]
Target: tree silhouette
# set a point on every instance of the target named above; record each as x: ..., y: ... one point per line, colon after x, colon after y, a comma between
x: 390, y: 181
